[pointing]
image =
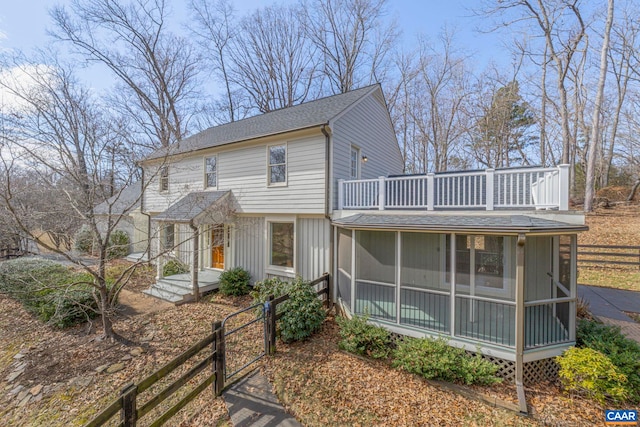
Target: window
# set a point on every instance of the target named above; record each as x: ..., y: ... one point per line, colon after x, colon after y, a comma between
x: 168, y: 237
x: 355, y: 163
x: 277, y: 164
x: 281, y: 244
x: 210, y: 166
x: 164, y: 178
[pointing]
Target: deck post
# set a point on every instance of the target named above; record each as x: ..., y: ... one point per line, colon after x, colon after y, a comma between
x: 430, y: 190
x: 563, y: 182
x: 489, y: 190
x: 382, y: 199
x: 522, y: 401
x: 340, y: 193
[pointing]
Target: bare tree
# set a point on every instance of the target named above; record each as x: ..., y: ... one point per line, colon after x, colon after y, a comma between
x: 563, y: 29
x: 353, y: 40
x: 56, y: 150
x: 215, y: 28
x: 595, y: 125
x: 157, y: 70
x: 274, y: 61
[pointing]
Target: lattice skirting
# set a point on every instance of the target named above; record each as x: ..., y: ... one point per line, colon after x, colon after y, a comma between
x: 534, y: 372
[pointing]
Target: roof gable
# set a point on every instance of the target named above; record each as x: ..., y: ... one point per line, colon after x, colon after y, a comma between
x: 302, y: 116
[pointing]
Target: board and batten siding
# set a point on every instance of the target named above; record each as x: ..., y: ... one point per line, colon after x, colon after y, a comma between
x: 367, y: 126
x: 313, y: 237
x: 244, y: 171
x: 249, y: 246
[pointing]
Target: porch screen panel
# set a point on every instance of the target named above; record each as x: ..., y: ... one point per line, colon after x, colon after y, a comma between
x: 424, y: 295
x: 375, y: 274
x: 344, y: 266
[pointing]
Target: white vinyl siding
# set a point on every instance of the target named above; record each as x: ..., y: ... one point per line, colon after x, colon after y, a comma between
x: 368, y: 125
x: 244, y: 172
x: 184, y: 176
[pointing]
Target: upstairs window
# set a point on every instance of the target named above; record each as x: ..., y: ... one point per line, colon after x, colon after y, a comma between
x: 277, y: 164
x: 355, y: 163
x: 164, y: 178
x: 211, y: 167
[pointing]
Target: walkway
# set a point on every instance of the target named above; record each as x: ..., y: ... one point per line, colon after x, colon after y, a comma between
x: 609, y: 305
x: 251, y: 402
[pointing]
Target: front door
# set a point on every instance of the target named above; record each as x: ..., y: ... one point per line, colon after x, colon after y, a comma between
x: 217, y: 247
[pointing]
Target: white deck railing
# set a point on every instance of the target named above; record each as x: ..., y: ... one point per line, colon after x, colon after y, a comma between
x: 531, y: 188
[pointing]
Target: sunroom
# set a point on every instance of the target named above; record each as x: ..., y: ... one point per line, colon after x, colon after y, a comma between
x: 501, y: 284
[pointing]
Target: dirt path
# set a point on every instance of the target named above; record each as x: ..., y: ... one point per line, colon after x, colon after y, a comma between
x: 137, y: 303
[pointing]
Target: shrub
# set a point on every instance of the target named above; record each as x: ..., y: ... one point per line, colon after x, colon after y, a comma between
x: 302, y: 312
x: 118, y: 245
x: 51, y: 291
x: 623, y: 352
x: 174, y: 266
x: 235, y: 282
x: 365, y: 339
x: 435, y: 359
x: 589, y: 372
x: 83, y: 240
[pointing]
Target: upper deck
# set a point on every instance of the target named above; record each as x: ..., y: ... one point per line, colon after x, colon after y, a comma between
x: 491, y: 189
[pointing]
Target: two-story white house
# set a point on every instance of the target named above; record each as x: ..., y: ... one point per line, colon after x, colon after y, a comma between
x: 485, y: 258
x: 261, y: 191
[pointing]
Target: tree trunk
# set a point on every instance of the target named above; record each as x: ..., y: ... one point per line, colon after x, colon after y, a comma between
x: 589, y: 193
x: 633, y: 191
x: 105, y: 309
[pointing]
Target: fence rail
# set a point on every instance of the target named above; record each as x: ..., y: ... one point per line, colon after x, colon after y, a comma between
x: 607, y: 254
x: 531, y: 188
x: 127, y: 403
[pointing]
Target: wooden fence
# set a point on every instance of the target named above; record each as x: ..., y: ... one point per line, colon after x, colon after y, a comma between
x: 9, y: 253
x: 127, y: 404
x: 609, y: 255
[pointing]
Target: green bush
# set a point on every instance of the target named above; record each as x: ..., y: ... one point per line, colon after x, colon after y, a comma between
x: 118, y: 245
x: 435, y: 359
x: 174, y: 266
x: 302, y: 312
x: 589, y: 372
x: 83, y: 240
x: 623, y: 352
x: 365, y: 339
x: 51, y: 291
x: 235, y: 282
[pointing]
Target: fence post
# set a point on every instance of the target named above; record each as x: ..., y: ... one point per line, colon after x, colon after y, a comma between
x: 327, y: 297
x: 271, y: 322
x: 218, y: 340
x: 128, y: 413
x: 489, y: 190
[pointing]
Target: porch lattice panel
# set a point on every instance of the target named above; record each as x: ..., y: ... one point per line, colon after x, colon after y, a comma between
x: 534, y: 372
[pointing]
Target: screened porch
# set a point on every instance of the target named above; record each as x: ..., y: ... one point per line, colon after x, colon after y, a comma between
x: 460, y: 285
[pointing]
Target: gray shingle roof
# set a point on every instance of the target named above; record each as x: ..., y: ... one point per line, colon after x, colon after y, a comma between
x: 191, y: 206
x: 124, y: 202
x: 302, y: 116
x: 507, y: 223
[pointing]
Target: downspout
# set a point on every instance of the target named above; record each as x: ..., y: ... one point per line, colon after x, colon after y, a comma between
x: 147, y: 249
x: 327, y: 211
x: 522, y: 401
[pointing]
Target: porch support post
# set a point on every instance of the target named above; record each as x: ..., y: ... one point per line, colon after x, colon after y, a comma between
x: 194, y: 261
x: 159, y: 256
x: 522, y: 402
x: 452, y: 292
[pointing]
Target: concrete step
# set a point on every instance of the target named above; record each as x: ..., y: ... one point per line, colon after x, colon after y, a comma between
x: 164, y: 294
